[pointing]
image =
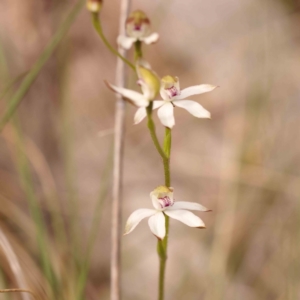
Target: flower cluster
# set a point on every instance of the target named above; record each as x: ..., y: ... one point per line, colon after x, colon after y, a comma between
x: 137, y: 32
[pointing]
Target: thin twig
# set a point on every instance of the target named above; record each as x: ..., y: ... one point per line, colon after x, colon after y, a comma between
x: 97, y: 25
x: 117, y: 172
x: 13, y: 262
x: 18, y: 291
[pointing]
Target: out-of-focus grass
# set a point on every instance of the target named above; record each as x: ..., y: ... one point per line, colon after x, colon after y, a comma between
x: 65, y: 275
x: 36, y: 213
x: 33, y: 73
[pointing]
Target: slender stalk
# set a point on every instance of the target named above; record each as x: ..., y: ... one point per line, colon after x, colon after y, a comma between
x: 162, y: 245
x: 162, y: 253
x: 165, y: 154
x: 151, y: 127
x: 33, y: 73
x: 98, y: 28
x: 167, y: 145
x: 115, y: 279
x: 138, y: 50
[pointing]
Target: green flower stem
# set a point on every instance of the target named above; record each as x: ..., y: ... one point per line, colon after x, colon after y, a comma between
x: 165, y: 155
x: 98, y: 28
x: 168, y: 143
x: 162, y: 253
x: 151, y: 127
x: 167, y: 151
x: 158, y: 147
x: 138, y: 50
x: 162, y: 245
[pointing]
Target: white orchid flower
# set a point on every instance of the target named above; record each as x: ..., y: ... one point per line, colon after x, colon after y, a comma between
x: 172, y: 96
x: 137, y: 29
x: 164, y: 204
x: 148, y: 81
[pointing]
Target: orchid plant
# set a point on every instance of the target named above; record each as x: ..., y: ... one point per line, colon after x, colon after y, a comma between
x: 137, y: 27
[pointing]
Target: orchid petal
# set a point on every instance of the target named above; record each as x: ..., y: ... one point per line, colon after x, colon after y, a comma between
x: 157, y: 104
x: 157, y: 225
x: 185, y: 217
x: 136, y: 217
x: 141, y: 113
x: 137, y: 98
x: 166, y: 114
x: 126, y: 42
x: 193, y: 108
x: 187, y: 205
x: 150, y: 39
x: 155, y: 202
x: 195, y: 90
x: 141, y: 62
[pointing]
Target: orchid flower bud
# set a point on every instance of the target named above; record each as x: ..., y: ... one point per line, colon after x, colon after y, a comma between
x: 148, y: 80
x: 137, y: 24
x: 94, y: 6
x: 137, y: 30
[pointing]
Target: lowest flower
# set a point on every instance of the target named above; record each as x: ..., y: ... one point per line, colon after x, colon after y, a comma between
x: 164, y: 204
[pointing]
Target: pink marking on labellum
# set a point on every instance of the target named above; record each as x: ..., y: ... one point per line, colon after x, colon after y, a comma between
x: 165, y: 202
x: 173, y: 91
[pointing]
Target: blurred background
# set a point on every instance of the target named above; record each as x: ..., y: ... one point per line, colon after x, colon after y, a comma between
x: 244, y: 163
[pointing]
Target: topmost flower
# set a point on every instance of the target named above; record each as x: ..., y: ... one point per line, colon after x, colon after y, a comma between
x: 137, y: 29
x: 94, y: 6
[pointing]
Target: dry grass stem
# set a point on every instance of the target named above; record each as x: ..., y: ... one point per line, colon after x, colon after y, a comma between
x: 13, y: 262
x: 118, y: 165
x: 18, y: 291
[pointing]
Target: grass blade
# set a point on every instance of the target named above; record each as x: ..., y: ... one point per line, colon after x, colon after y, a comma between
x: 37, y: 67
